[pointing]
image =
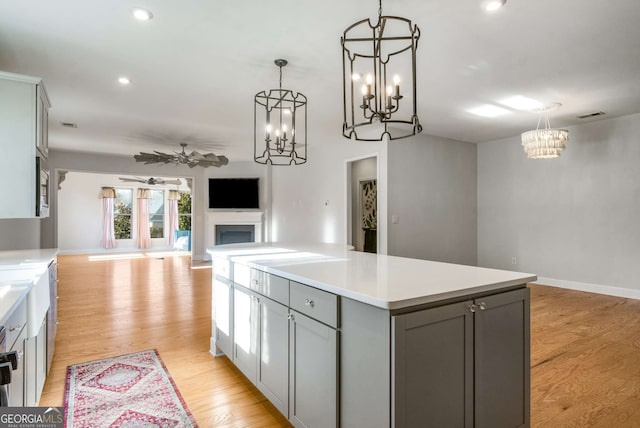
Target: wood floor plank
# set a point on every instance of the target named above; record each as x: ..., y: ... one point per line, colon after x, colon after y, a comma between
x: 585, y: 348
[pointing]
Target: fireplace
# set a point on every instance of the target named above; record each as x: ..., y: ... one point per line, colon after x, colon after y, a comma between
x: 234, y: 233
x: 236, y: 226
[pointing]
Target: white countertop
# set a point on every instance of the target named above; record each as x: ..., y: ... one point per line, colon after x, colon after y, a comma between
x: 18, y: 259
x: 387, y: 282
x: 20, y: 270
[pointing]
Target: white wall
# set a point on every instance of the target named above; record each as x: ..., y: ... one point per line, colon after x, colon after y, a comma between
x: 432, y: 191
x: 575, y: 218
x: 80, y: 213
x: 309, y: 202
x: 114, y: 164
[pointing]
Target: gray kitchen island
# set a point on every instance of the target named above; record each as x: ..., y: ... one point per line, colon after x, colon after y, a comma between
x: 337, y: 338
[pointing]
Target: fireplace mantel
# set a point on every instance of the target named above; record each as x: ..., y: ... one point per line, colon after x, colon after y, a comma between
x: 255, y: 218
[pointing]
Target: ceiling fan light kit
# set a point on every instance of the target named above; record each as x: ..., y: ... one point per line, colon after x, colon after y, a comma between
x: 547, y: 142
x: 378, y: 99
x: 192, y: 159
x: 280, y: 125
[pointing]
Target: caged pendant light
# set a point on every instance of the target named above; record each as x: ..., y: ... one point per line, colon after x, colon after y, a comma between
x: 379, y: 79
x: 280, y: 125
x: 545, y: 143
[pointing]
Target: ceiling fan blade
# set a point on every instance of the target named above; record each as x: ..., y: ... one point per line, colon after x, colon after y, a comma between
x: 177, y: 182
x: 132, y: 180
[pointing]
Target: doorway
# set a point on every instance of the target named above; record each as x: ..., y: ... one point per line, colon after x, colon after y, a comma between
x: 363, y: 204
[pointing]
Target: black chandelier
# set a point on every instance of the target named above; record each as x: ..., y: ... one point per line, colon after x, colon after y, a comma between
x: 280, y: 125
x: 373, y: 60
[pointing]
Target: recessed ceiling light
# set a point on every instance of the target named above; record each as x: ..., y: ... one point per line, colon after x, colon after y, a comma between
x: 124, y: 80
x: 488, y: 110
x: 141, y: 14
x: 519, y: 102
x: 491, y: 5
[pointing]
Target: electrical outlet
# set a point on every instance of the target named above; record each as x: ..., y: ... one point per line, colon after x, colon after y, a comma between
x: 514, y: 261
x: 395, y: 219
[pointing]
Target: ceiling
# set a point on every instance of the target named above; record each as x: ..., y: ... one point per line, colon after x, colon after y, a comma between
x: 197, y: 65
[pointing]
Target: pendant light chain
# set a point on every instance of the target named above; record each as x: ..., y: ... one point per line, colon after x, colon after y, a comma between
x: 379, y: 8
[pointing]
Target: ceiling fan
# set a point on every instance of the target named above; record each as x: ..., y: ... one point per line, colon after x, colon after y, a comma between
x: 151, y: 181
x: 192, y: 159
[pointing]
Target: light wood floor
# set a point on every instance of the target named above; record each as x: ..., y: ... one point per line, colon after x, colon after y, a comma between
x: 113, y: 307
x: 585, y: 359
x: 585, y: 351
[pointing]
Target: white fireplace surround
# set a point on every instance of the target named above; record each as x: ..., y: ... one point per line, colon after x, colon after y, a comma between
x: 214, y: 218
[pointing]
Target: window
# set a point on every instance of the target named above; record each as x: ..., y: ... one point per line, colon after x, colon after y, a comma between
x: 184, y: 211
x: 156, y: 213
x: 122, y: 213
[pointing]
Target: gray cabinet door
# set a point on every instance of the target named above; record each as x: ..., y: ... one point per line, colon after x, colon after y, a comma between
x: 273, y: 353
x: 432, y: 360
x: 502, y: 360
x: 313, y: 374
x: 222, y: 316
x: 16, y: 389
x: 245, y: 332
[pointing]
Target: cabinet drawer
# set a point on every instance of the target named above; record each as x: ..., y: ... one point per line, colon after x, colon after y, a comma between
x: 271, y: 286
x: 222, y: 268
x: 16, y: 323
x: 315, y: 303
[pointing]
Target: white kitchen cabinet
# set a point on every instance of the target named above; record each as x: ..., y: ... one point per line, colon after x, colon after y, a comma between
x: 16, y: 337
x: 35, y: 366
x: 313, y: 373
x: 261, y: 344
x: 42, y: 122
x: 245, y: 331
x: 23, y: 136
x: 16, y: 389
x: 41, y: 360
x: 222, y: 322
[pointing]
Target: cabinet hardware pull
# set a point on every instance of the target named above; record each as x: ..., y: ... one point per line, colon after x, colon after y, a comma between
x: 472, y: 307
x: 483, y: 306
x: 309, y: 303
x: 15, y: 327
x: 290, y: 317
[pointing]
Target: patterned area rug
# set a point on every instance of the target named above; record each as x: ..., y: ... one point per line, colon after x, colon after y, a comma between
x: 128, y: 391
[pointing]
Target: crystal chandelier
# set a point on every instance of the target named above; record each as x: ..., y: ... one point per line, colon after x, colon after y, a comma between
x: 378, y: 99
x: 280, y: 125
x: 545, y: 143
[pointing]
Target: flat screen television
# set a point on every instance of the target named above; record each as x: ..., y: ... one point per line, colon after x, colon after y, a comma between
x: 234, y: 193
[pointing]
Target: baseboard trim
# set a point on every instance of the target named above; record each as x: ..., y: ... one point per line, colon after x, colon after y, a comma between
x: 590, y: 288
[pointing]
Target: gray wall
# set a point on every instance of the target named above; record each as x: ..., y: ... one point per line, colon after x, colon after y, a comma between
x: 575, y: 218
x: 432, y: 189
x: 19, y: 234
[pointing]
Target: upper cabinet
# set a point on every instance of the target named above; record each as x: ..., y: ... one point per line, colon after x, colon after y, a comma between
x: 24, y: 116
x: 42, y: 121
